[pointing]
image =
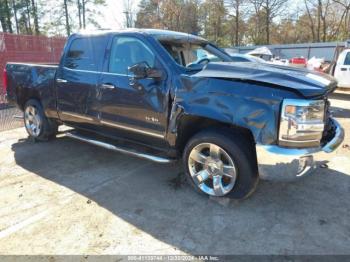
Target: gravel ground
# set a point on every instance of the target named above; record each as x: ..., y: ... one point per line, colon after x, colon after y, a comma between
x: 67, y: 197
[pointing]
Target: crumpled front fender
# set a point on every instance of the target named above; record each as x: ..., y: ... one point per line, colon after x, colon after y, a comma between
x: 236, y: 103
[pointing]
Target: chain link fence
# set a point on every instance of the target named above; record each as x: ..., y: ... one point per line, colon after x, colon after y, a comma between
x: 7, y: 120
x: 24, y: 48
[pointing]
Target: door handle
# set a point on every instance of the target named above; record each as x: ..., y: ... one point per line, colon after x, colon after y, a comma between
x: 60, y: 80
x: 344, y: 69
x: 107, y: 86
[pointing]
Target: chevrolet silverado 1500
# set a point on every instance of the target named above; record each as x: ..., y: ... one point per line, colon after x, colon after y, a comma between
x: 156, y: 95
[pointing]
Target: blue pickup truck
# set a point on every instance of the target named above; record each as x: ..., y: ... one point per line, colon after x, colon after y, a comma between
x: 155, y: 94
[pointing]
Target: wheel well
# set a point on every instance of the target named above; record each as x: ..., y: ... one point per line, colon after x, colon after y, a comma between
x: 191, y: 125
x: 26, y: 99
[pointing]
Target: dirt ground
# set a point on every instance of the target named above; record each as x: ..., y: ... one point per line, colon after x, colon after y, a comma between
x: 67, y: 197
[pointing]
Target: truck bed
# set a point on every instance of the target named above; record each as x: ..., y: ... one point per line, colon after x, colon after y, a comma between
x: 29, y: 80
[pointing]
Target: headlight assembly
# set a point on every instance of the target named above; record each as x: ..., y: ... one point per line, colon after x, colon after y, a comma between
x: 302, y: 123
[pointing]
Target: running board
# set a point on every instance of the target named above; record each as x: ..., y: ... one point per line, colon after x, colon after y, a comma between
x: 120, y: 149
x: 18, y: 117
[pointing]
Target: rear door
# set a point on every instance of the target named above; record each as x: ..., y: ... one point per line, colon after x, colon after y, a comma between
x: 77, y: 80
x: 133, y: 109
x: 342, y: 71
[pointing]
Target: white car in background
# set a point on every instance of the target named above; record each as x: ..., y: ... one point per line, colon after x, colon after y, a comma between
x: 246, y: 58
x: 342, y: 69
x: 239, y: 58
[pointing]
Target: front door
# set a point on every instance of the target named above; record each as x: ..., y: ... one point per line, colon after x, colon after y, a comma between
x: 133, y: 108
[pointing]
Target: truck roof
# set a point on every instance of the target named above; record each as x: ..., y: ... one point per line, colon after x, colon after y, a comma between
x: 159, y: 34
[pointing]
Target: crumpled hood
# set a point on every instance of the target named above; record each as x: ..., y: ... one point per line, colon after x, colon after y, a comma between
x: 308, y: 83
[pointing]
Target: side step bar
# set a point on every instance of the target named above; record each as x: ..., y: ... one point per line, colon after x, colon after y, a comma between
x: 120, y: 149
x: 18, y: 117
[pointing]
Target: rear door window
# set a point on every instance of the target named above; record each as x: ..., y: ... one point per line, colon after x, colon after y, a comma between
x: 85, y: 53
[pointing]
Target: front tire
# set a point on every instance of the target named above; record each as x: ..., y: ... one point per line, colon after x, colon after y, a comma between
x: 38, y: 126
x: 221, y: 163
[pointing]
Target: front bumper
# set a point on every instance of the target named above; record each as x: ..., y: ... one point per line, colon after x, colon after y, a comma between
x: 284, y: 164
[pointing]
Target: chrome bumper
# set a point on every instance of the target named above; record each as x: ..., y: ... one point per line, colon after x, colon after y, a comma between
x: 285, y: 164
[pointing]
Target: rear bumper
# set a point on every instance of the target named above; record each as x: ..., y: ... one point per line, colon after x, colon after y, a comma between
x: 285, y: 164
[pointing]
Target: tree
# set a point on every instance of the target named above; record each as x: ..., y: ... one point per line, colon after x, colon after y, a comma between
x: 237, y: 12
x: 170, y: 14
x: 226, y: 22
x: 83, y: 12
x: 79, y: 13
x: 255, y: 29
x: 272, y: 9
x: 65, y: 3
x: 129, y: 13
x: 35, y: 16
x: 177, y: 15
x: 29, y: 25
x: 90, y: 10
x: 285, y: 32
x: 343, y: 26
x: 317, y: 11
x: 214, y: 21
x: 266, y: 11
x: 190, y: 17
x: 15, y: 13
x: 22, y: 10
x: 148, y: 15
x: 5, y: 16
x: 255, y: 22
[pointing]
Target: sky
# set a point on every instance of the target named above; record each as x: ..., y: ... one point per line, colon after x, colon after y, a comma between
x: 113, y: 16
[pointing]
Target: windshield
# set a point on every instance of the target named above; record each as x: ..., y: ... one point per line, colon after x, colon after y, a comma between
x: 195, y: 55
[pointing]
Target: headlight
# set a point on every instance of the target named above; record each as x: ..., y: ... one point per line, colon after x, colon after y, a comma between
x: 302, y: 123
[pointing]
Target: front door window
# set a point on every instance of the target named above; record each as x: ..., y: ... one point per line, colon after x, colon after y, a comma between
x: 126, y: 52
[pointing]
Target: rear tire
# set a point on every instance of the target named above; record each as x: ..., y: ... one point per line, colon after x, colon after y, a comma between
x: 38, y: 126
x: 221, y: 163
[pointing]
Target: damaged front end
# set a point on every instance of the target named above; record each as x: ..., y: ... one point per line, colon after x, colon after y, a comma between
x: 286, y: 145
x: 283, y: 164
x: 309, y: 140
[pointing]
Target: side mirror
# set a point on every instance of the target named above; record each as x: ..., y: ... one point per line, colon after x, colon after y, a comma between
x: 139, y: 70
x: 142, y: 70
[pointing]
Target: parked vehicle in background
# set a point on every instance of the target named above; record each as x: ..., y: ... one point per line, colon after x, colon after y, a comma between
x: 155, y: 94
x: 246, y: 58
x: 279, y: 61
x: 300, y: 62
x: 342, y: 69
x: 263, y: 52
x: 239, y: 58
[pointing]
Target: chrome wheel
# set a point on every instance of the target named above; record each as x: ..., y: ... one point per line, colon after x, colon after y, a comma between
x: 32, y: 121
x: 212, y: 169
